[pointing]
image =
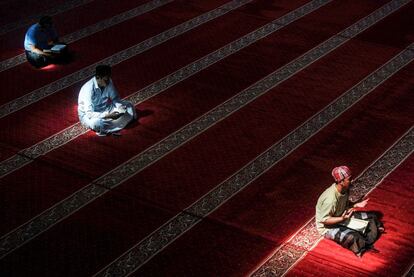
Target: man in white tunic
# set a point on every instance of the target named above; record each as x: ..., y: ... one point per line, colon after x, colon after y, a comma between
x: 99, y: 105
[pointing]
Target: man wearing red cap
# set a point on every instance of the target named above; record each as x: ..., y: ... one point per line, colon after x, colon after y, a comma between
x: 334, y: 212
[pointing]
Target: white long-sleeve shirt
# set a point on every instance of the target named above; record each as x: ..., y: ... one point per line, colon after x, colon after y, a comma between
x: 96, y: 103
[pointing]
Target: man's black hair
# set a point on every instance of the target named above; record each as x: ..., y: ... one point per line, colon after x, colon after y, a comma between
x: 103, y: 71
x: 45, y: 20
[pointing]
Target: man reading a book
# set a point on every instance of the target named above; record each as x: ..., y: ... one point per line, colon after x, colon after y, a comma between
x: 337, y: 220
x: 41, y: 44
x: 99, y: 105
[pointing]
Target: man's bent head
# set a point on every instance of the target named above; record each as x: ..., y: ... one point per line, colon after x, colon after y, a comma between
x: 103, y: 75
x: 45, y: 22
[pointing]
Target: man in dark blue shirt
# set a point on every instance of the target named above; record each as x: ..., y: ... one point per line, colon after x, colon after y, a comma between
x: 39, y: 40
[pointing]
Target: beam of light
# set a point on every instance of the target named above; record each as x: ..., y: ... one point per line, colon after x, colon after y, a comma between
x: 50, y: 67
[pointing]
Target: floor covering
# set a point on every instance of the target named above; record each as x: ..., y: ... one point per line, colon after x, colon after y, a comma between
x: 244, y: 107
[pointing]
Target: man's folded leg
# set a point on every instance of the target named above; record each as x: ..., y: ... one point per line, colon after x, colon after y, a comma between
x: 37, y: 60
x: 348, y: 239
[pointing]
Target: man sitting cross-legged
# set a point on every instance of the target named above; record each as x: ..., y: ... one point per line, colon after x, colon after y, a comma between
x: 334, y: 214
x: 42, y: 46
x: 99, y: 105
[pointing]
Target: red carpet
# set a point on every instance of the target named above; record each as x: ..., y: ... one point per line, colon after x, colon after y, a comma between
x: 151, y: 130
x: 132, y: 76
x: 149, y: 24
x: 149, y: 216
x: 176, y: 107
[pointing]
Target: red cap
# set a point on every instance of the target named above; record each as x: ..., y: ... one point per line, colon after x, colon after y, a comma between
x: 341, y: 172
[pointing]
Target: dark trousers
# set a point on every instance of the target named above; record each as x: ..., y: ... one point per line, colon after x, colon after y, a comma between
x: 39, y: 61
x: 354, y: 240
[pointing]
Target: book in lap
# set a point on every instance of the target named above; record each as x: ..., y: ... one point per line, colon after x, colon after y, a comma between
x: 356, y: 224
x: 57, y: 48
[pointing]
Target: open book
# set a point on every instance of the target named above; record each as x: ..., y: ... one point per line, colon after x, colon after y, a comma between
x: 57, y: 48
x: 356, y: 224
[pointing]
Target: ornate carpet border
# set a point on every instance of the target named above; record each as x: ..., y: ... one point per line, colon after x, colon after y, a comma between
x: 92, y: 29
x: 67, y: 5
x: 410, y: 272
x: 299, y: 245
x: 25, y: 156
x: 117, y: 58
x: 224, y: 191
